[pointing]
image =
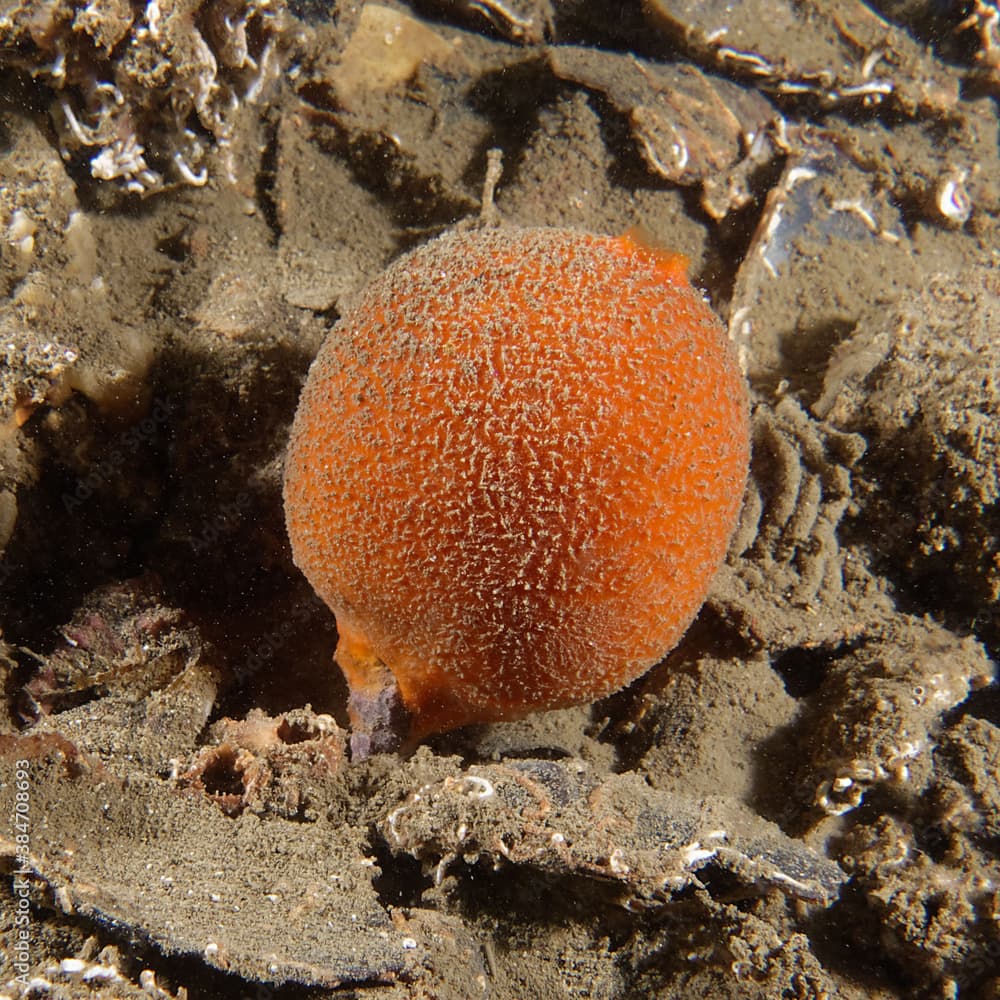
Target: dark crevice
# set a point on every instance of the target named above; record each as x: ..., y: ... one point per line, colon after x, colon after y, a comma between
x: 266, y: 179
x: 402, y: 881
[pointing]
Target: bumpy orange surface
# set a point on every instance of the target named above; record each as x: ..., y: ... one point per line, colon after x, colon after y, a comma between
x: 514, y: 470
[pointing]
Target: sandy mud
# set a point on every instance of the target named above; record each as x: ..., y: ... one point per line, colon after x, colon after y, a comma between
x: 803, y: 800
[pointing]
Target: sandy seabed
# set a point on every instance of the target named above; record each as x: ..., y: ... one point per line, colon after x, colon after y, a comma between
x: 801, y: 801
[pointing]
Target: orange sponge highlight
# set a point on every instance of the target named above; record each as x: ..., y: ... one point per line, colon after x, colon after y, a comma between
x: 514, y: 470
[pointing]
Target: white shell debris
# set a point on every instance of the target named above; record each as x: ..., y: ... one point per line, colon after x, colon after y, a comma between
x: 558, y: 817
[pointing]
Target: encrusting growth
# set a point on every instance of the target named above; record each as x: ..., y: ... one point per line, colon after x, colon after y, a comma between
x: 514, y: 470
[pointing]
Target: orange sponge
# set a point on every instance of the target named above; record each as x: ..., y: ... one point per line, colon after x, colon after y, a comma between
x: 514, y: 470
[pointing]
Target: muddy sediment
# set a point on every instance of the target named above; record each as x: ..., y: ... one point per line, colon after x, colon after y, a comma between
x: 800, y: 801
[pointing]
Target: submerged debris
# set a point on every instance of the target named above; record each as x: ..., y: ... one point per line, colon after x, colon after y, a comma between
x: 835, y: 185
x: 882, y: 706
x: 930, y: 488
x: 268, y: 764
x: 984, y: 20
x: 690, y: 128
x: 122, y: 640
x: 837, y: 53
x: 786, y: 580
x: 153, y: 861
x: 528, y: 22
x: 144, y: 94
x: 823, y: 207
x: 561, y: 818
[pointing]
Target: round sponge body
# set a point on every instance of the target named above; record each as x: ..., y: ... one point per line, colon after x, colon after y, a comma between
x: 514, y: 470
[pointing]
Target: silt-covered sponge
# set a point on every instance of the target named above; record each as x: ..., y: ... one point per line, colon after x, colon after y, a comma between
x: 514, y: 470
